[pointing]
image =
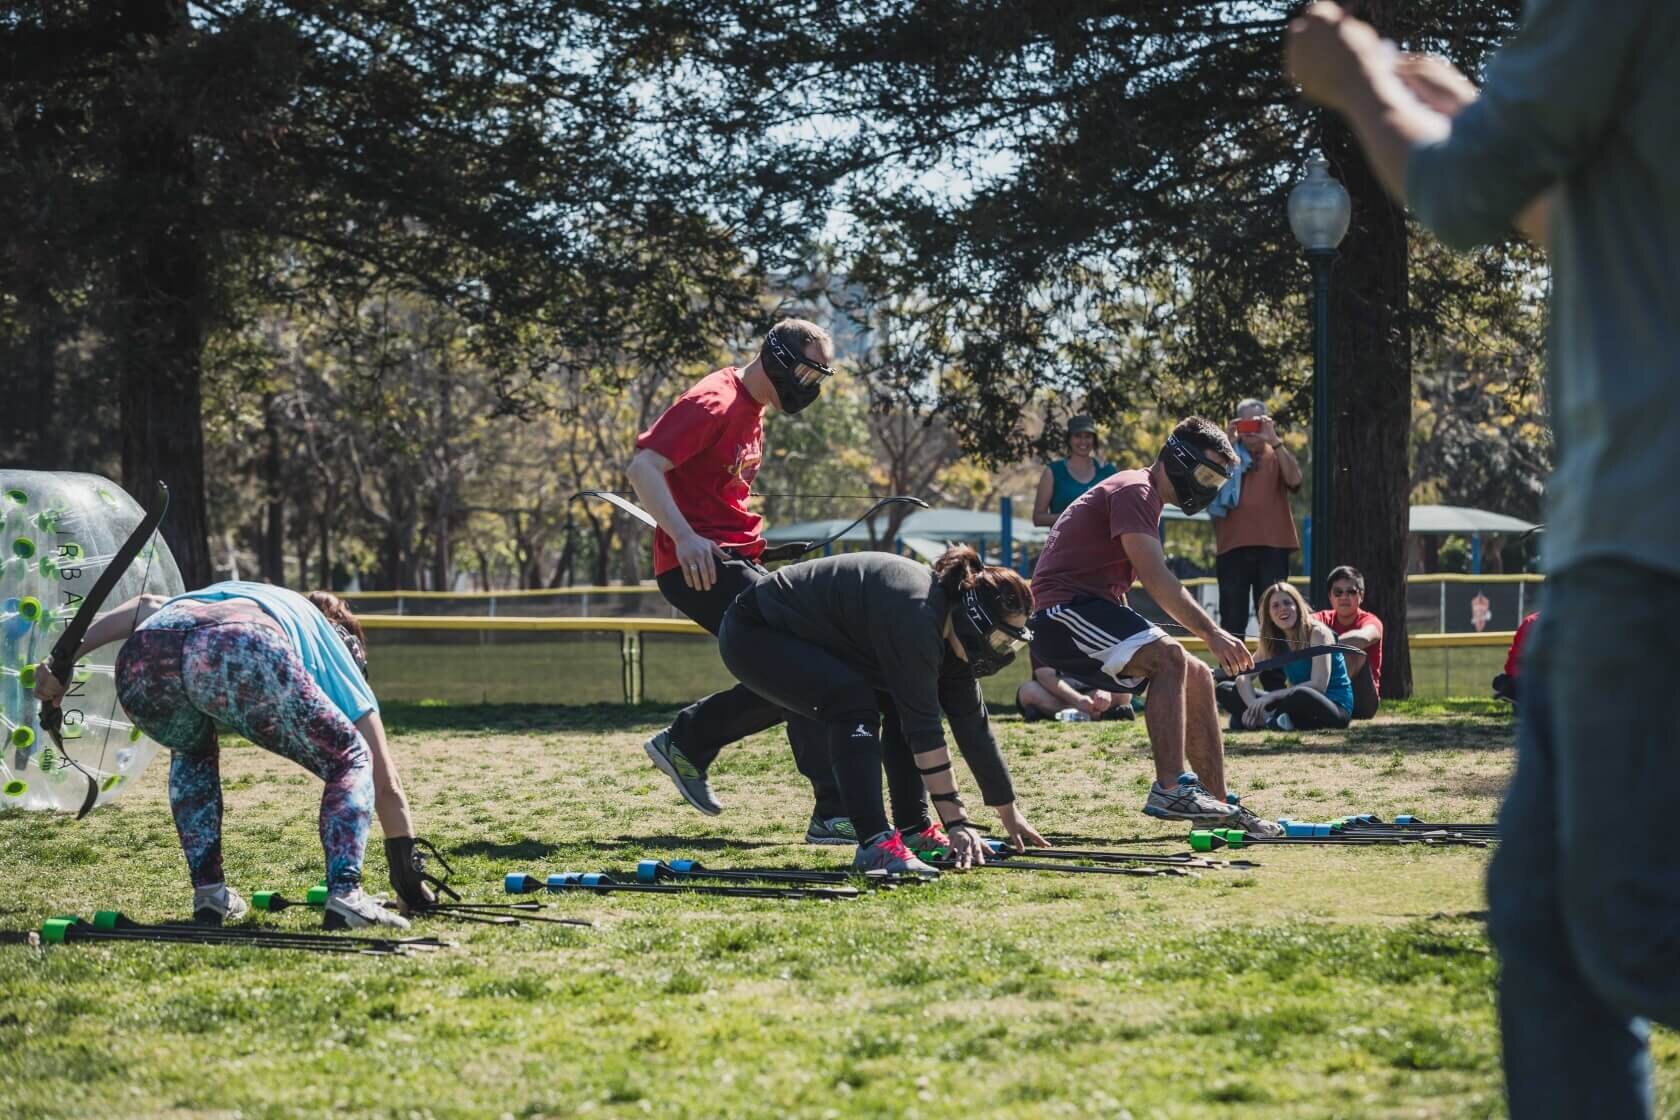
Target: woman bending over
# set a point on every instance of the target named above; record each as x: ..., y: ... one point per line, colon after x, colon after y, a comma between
x: 823, y: 637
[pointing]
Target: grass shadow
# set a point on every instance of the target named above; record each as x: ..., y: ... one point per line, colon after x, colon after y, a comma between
x: 403, y: 717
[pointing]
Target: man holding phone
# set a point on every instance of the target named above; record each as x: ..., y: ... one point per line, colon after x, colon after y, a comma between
x: 1253, y: 529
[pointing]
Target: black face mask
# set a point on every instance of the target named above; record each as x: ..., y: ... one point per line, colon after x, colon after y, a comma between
x: 1195, y: 477
x: 796, y: 378
x: 977, y: 620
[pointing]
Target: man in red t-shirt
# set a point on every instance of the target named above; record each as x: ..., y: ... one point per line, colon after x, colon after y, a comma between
x: 1353, y: 625
x: 693, y: 471
x: 1082, y: 627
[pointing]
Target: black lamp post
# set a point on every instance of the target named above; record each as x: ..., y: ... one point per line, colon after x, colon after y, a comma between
x: 1319, y: 211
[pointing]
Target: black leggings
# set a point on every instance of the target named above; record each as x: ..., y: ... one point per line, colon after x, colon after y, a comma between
x: 807, y: 680
x: 713, y: 722
x: 1308, y: 709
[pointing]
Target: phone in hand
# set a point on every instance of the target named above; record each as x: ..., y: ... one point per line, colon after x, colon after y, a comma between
x: 1249, y: 427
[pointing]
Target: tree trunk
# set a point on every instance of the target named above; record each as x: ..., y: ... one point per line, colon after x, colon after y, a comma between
x: 271, y: 556
x: 1371, y: 401
x: 159, y: 309
x: 326, y: 553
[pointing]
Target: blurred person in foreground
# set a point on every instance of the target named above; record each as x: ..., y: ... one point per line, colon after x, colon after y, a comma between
x: 1571, y: 141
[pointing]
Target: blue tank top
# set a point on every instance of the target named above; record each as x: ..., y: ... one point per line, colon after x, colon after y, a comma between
x: 1340, y: 689
x: 1067, y: 488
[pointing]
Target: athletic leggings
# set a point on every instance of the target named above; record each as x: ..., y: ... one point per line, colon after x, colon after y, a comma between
x: 197, y: 664
x: 1308, y: 709
x: 808, y: 680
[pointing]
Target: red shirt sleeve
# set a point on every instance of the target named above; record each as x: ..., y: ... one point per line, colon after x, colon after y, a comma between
x: 1132, y: 510
x: 685, y: 429
x: 1513, y: 659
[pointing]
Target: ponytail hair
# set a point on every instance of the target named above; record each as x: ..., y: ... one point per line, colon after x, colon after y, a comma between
x: 345, y: 622
x: 338, y: 612
x: 959, y: 569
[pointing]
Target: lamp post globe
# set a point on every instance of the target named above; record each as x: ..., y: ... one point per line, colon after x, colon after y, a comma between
x: 1319, y: 208
x: 1319, y: 213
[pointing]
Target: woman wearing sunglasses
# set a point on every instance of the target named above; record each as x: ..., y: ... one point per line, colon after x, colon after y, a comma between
x: 822, y: 638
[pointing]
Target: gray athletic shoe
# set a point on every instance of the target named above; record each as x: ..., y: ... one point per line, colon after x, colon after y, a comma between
x: 357, y: 910
x: 1188, y: 801
x: 830, y: 830
x: 1254, y: 825
x: 689, y: 779
x: 217, y: 904
x: 888, y: 854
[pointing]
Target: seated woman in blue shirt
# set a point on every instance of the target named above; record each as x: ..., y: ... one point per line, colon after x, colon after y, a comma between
x: 1316, y: 694
x: 289, y: 674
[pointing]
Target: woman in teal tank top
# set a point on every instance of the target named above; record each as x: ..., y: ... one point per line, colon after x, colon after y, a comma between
x: 1317, y: 695
x: 1066, y: 479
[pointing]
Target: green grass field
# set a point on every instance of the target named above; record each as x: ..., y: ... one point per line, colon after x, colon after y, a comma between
x: 1354, y: 983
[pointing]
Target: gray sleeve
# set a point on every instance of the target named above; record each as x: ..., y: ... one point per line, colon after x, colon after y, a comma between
x: 965, y: 707
x: 1551, y: 91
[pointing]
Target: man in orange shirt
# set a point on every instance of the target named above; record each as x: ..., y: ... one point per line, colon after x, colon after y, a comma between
x: 1253, y: 530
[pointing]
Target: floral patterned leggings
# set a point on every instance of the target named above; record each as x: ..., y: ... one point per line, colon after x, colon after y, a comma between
x: 197, y: 664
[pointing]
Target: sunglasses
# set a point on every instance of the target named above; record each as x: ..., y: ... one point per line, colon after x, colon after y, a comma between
x: 804, y: 370
x: 1339, y: 592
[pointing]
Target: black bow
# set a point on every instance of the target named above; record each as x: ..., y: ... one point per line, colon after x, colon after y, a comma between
x: 793, y: 550
x: 789, y: 550
x: 1303, y: 654
x: 62, y: 660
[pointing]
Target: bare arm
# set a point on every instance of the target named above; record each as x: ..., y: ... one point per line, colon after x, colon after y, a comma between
x: 1051, y: 681
x: 1150, y: 564
x: 1364, y: 637
x: 1289, y: 468
x: 1041, y: 500
x: 111, y: 626
x: 695, y: 554
x: 1557, y: 83
x: 647, y: 478
x: 389, y: 800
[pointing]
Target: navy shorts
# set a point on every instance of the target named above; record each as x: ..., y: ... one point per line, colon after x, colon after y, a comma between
x: 1092, y: 639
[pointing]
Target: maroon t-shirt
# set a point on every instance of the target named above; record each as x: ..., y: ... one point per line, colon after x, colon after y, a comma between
x: 1083, y: 554
x: 1373, y: 656
x: 714, y: 434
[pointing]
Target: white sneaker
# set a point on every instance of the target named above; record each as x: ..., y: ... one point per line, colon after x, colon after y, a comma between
x: 217, y: 905
x: 357, y: 910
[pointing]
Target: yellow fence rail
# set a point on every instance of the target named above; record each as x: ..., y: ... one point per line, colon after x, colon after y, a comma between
x: 1417, y: 579
x: 631, y: 630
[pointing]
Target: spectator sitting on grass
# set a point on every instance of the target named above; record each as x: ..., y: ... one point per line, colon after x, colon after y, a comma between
x: 1353, y: 625
x: 1505, y: 684
x: 1317, y: 695
x: 1050, y: 692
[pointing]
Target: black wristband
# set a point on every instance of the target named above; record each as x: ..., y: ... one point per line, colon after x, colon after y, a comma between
x: 935, y: 769
x: 963, y: 822
x: 952, y: 796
